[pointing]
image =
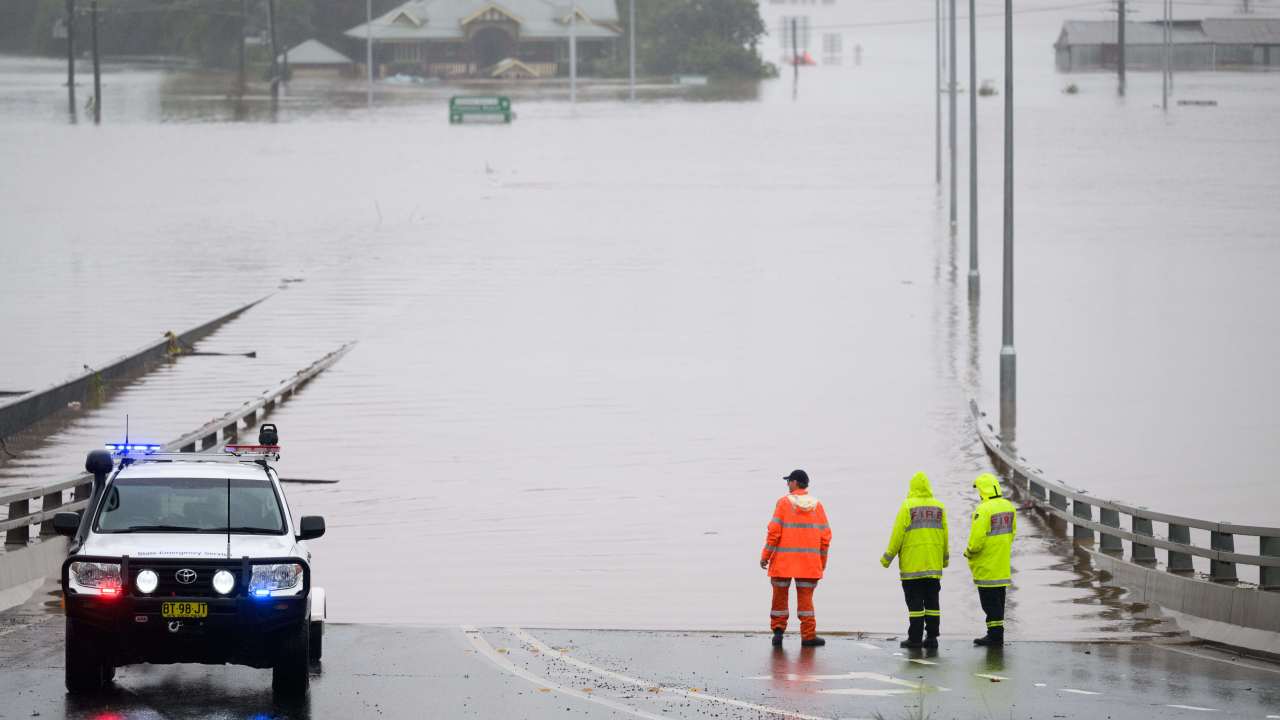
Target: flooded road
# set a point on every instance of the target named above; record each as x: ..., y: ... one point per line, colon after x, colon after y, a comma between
x: 593, y: 342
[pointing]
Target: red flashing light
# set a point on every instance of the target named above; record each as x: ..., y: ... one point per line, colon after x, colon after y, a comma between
x: 265, y: 449
x: 109, y: 591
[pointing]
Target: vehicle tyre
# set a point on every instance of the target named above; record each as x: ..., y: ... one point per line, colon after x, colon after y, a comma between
x: 317, y: 641
x: 86, y: 669
x: 289, y: 676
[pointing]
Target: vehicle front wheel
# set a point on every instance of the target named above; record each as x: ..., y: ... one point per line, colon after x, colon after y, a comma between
x: 289, y: 676
x: 317, y: 641
x: 87, y: 670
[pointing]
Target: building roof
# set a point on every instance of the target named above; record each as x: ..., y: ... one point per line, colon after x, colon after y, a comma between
x: 1243, y: 31
x: 536, y: 19
x: 1103, y: 32
x: 314, y: 52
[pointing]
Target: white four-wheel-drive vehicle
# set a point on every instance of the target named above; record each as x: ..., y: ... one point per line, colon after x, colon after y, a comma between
x: 190, y: 558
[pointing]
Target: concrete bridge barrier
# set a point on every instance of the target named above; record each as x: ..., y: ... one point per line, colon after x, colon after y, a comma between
x: 1218, y: 607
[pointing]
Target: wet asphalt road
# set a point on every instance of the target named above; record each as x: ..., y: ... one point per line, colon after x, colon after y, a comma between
x: 444, y: 672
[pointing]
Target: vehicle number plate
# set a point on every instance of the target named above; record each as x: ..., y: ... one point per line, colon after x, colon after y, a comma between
x: 184, y: 610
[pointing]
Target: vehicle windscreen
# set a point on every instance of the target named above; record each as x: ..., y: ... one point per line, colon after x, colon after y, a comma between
x: 190, y: 505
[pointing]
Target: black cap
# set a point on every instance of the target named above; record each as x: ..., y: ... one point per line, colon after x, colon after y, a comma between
x: 799, y: 476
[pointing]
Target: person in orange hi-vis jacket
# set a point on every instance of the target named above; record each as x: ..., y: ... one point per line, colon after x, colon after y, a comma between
x: 796, y: 547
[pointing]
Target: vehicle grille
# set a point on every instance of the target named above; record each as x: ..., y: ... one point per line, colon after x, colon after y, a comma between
x: 169, y: 586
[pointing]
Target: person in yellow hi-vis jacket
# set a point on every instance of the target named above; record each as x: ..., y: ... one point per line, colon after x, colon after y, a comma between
x: 990, y: 544
x: 919, y: 540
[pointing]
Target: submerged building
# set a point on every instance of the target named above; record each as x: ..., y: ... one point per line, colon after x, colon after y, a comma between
x: 482, y: 38
x: 1210, y: 44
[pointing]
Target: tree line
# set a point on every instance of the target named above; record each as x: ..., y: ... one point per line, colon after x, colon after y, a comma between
x: 712, y: 37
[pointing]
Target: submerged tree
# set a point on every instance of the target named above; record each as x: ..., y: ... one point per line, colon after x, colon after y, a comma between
x: 708, y: 37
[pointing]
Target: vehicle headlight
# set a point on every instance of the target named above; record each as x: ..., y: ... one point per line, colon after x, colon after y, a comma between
x: 95, y: 578
x: 223, y: 582
x: 276, y: 580
x: 146, y: 582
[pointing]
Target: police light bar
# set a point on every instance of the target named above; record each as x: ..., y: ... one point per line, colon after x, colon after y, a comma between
x: 239, y: 450
x: 127, y: 448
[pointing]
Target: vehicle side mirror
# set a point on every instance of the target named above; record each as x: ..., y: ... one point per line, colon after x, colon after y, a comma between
x: 310, y: 527
x: 66, y: 523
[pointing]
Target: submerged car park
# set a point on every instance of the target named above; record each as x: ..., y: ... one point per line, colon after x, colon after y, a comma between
x: 190, y: 558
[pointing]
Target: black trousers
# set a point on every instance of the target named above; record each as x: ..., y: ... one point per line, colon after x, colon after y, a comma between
x: 922, y: 607
x: 992, y: 599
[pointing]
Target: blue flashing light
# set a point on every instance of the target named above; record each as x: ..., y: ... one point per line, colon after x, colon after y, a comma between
x: 125, y: 448
x: 261, y: 593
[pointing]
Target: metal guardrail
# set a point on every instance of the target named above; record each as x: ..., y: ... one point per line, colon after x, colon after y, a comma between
x: 17, y: 527
x: 1076, y: 507
x: 28, y: 408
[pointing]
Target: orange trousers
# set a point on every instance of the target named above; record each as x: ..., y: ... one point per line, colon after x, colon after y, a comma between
x: 804, y: 602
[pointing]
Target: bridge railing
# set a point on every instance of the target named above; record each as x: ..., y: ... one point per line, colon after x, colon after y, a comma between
x: 71, y: 495
x: 1088, y: 514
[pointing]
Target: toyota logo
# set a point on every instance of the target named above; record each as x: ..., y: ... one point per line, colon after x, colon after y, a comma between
x: 186, y: 576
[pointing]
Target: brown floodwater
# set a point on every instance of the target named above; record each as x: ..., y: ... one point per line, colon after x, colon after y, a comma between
x: 593, y: 341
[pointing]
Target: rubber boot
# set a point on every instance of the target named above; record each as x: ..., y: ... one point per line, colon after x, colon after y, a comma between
x: 813, y: 642
x: 777, y: 638
x: 994, y: 638
x: 915, y: 629
x: 931, y: 623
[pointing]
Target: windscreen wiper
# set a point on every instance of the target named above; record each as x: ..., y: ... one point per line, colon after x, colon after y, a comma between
x: 161, y: 528
x: 250, y: 530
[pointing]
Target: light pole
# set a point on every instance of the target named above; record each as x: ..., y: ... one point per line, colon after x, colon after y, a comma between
x: 973, y: 150
x: 573, y: 53
x: 937, y: 90
x: 71, y: 58
x: 631, y: 47
x: 952, y: 109
x: 368, y: 51
x: 1120, y: 42
x: 1008, y: 357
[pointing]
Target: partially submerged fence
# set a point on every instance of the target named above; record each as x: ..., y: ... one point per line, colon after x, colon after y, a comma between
x: 1077, y: 508
x: 54, y: 498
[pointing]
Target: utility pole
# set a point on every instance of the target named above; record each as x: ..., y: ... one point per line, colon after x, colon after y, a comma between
x: 937, y: 90
x: 368, y: 51
x: 1124, y: 18
x: 952, y: 111
x: 1008, y: 357
x: 275, y: 54
x: 1164, y: 72
x: 631, y: 50
x: 795, y: 57
x: 71, y: 58
x: 573, y: 53
x: 1171, y: 45
x: 97, y: 73
x: 973, y: 150
x: 242, y: 79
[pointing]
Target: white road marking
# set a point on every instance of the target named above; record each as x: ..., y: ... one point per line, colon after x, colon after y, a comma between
x: 1237, y: 662
x: 552, y: 652
x: 1079, y: 692
x: 998, y: 678
x: 867, y: 646
x: 918, y: 661
x: 1041, y: 685
x: 1192, y: 707
x: 904, y: 686
x: 484, y: 648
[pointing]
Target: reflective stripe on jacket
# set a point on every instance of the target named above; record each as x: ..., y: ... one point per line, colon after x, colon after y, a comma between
x: 919, y: 538
x: 995, y: 522
x: 798, y: 537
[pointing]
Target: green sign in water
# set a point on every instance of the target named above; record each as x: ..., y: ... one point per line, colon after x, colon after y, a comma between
x: 489, y: 107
